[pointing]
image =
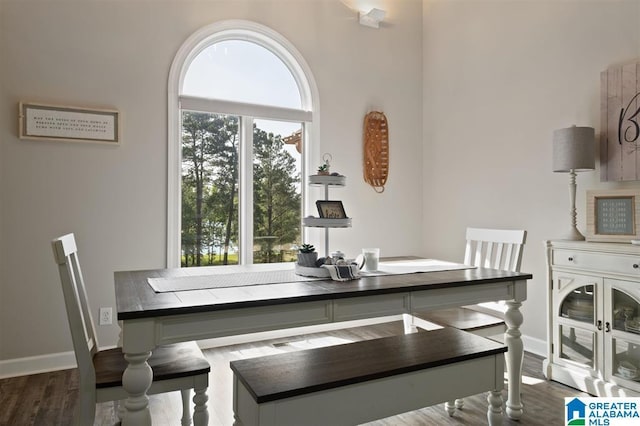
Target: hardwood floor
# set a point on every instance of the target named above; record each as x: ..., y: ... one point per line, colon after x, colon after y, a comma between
x: 50, y: 398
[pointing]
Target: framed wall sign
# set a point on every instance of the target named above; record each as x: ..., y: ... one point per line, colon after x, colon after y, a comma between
x: 619, y: 129
x: 331, y: 209
x: 50, y: 122
x: 613, y: 215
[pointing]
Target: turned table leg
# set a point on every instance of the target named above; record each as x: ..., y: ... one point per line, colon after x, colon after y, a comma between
x: 514, y: 359
x: 135, y: 381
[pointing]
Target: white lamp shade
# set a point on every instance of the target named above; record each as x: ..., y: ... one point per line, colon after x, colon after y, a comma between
x: 574, y: 149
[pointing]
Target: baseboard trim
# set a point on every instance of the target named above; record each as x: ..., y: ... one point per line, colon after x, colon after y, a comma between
x: 535, y: 346
x: 67, y: 360
x: 37, y: 364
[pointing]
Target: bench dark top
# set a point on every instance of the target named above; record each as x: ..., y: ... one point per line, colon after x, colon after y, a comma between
x: 136, y: 299
x: 274, y: 377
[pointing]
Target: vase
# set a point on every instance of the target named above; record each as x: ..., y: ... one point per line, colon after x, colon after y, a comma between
x: 307, y: 259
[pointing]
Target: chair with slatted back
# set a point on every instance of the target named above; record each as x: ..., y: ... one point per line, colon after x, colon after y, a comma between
x: 175, y: 367
x: 486, y: 248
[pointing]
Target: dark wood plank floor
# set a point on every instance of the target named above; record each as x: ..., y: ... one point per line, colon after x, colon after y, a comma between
x: 50, y: 398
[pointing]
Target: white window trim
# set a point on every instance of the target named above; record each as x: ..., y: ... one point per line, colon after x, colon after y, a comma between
x: 309, y: 113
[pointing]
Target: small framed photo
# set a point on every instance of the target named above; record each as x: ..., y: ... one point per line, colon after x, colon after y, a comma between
x: 613, y: 215
x: 331, y: 209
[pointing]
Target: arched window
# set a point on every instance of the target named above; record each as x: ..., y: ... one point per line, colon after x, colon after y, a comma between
x: 242, y: 104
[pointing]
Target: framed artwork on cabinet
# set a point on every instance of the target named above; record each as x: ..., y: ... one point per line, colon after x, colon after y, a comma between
x: 331, y: 209
x: 613, y: 215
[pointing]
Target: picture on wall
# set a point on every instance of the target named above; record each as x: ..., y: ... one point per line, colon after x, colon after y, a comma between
x: 619, y: 123
x: 76, y: 124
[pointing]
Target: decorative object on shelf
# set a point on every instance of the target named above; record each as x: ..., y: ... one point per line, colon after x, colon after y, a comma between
x: 331, y: 209
x: 627, y: 370
x: 620, y: 134
x: 376, y: 150
x: 573, y: 151
x: 337, y: 255
x: 632, y: 325
x: 613, y: 215
x: 71, y: 124
x: 323, y: 169
x: 307, y: 256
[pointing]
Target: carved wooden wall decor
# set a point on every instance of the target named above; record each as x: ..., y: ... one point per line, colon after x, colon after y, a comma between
x: 620, y: 131
x: 376, y: 150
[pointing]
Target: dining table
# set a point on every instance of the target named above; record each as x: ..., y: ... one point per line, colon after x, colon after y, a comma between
x: 164, y: 306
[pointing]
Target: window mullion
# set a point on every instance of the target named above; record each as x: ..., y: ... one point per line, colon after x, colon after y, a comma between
x: 245, y: 177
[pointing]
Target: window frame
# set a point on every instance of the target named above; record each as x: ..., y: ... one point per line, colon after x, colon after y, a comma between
x: 308, y: 115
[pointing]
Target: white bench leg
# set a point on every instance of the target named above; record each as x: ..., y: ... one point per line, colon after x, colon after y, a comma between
x: 200, y: 411
x: 450, y: 407
x: 494, y: 412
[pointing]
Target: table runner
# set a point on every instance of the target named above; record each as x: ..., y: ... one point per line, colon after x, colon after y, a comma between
x: 239, y: 276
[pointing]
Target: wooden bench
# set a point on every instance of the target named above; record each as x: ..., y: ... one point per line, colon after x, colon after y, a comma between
x: 363, y: 381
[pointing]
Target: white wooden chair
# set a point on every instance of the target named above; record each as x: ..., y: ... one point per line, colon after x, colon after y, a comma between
x: 486, y: 248
x: 175, y: 367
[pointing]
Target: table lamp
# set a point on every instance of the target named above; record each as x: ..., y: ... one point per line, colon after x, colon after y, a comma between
x: 573, y: 151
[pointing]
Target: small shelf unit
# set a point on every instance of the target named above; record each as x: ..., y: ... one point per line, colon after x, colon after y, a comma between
x: 327, y: 181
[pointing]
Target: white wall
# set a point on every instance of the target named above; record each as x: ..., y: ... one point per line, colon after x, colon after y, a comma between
x: 118, y: 54
x: 500, y: 76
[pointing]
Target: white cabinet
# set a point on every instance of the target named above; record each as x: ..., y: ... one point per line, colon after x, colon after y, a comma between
x: 594, y: 317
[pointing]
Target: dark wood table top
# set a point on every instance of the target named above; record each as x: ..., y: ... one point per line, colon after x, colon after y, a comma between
x: 136, y: 299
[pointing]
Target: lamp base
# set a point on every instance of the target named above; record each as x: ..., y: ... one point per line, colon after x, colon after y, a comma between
x: 573, y: 235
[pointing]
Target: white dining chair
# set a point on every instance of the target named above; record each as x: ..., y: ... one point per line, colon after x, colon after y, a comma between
x: 485, y: 248
x: 175, y: 367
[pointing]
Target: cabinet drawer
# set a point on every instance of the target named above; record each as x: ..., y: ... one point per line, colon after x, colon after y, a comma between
x: 370, y: 306
x: 602, y: 262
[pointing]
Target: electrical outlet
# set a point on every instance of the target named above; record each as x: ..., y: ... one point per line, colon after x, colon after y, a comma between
x: 105, y: 316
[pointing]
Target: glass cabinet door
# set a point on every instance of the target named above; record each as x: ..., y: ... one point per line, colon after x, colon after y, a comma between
x: 577, y: 345
x: 625, y: 311
x: 579, y: 304
x: 578, y: 336
x: 626, y: 360
x: 622, y: 333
